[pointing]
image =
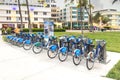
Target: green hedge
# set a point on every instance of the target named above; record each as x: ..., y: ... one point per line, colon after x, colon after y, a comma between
x: 4, y: 38
x: 107, y: 27
x: 41, y: 30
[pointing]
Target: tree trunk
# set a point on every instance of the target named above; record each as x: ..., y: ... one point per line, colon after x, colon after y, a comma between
x: 70, y: 18
x: 81, y: 17
x: 29, y: 20
x: 20, y: 15
x: 90, y: 18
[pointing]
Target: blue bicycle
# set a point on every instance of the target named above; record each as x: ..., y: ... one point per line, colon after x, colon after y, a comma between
x: 96, y: 54
x: 21, y: 40
x: 67, y: 48
x: 27, y: 44
x: 83, y: 48
x: 38, y: 46
x: 53, y: 49
x: 44, y: 43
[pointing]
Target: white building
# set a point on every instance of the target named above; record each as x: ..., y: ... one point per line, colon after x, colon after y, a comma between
x: 70, y: 15
x: 39, y: 12
x: 113, y: 15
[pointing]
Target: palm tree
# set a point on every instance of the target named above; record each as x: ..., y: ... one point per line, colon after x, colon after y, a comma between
x: 20, y: 15
x: 29, y: 20
x: 90, y: 6
x: 114, y: 1
x: 82, y: 4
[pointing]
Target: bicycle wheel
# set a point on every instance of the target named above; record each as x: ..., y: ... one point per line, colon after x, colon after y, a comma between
x: 52, y: 54
x: 19, y: 44
x: 13, y: 42
x: 27, y: 46
x: 62, y: 56
x: 8, y: 40
x: 77, y: 59
x: 90, y: 61
x: 37, y: 49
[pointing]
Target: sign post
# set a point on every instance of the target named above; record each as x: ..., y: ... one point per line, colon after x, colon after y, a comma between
x: 49, y: 28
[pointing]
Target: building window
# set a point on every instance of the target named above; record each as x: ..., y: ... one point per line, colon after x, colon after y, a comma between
x: 17, y: 12
x: 19, y: 25
x: 18, y: 18
x: 26, y: 12
x: 53, y: 10
x: 109, y: 15
x: 8, y: 12
x: 53, y: 5
x: 74, y: 8
x: 35, y: 26
x: 52, y: 1
x: 44, y: 13
x: 73, y: 12
x: 26, y: 18
x: 15, y: 0
x: 8, y: 18
x: 35, y: 13
x: 74, y: 16
x: 48, y: 1
x: 85, y: 16
x: 35, y: 19
x: 53, y: 15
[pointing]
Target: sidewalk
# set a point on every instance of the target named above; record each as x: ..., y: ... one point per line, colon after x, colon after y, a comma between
x: 18, y: 64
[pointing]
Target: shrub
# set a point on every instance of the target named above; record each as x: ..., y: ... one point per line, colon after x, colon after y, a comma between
x: 59, y: 30
x: 37, y: 30
x: 8, y: 30
x: 66, y: 27
x: 25, y: 30
x: 107, y: 27
x: 4, y: 38
x: 41, y: 30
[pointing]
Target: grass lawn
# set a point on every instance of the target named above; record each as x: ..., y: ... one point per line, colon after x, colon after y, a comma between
x: 112, y: 38
x: 115, y: 72
x: 113, y: 44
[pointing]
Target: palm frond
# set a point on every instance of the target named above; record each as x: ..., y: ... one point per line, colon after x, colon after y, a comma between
x: 65, y: 1
x: 114, y: 1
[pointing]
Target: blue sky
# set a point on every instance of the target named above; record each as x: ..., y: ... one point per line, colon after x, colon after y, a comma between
x: 99, y: 4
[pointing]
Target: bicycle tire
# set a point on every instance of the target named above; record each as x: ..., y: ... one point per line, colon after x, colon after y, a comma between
x: 29, y: 46
x: 19, y: 44
x: 87, y: 64
x: 38, y: 48
x: 60, y: 57
x: 79, y: 58
x: 49, y: 55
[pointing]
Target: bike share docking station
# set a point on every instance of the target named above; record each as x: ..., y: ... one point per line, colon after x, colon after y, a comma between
x: 77, y: 47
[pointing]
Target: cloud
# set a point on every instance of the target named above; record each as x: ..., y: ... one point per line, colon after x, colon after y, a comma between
x: 97, y: 4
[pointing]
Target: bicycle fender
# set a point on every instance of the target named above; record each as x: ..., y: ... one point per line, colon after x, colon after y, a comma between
x: 63, y: 49
x: 37, y: 44
x: 53, y: 47
x: 27, y: 42
x: 77, y: 52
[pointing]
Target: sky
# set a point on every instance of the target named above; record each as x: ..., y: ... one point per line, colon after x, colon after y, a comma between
x: 98, y: 4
